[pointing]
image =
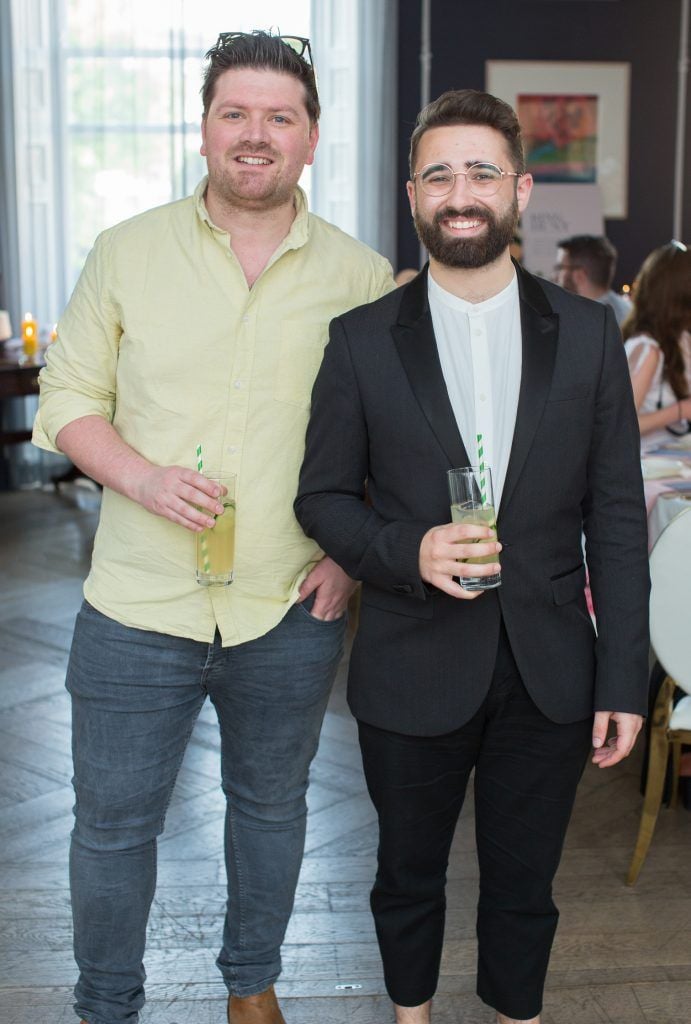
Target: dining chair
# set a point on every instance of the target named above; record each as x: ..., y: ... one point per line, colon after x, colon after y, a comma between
x: 670, y: 636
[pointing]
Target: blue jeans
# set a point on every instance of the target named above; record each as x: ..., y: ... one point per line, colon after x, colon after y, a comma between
x: 135, y: 698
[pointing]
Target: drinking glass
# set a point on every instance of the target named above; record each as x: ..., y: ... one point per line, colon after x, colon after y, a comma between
x: 472, y: 502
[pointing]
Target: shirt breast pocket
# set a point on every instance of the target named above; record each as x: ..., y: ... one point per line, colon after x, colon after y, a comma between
x: 300, y: 354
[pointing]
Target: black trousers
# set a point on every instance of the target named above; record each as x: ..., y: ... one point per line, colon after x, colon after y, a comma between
x: 526, y: 773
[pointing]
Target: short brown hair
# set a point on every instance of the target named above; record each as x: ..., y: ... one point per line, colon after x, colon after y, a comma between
x: 469, y: 106
x: 258, y: 50
x: 595, y: 254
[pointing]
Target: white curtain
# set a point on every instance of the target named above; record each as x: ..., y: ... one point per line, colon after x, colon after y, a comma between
x: 354, y: 174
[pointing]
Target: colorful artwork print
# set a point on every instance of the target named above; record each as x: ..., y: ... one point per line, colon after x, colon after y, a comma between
x: 559, y: 136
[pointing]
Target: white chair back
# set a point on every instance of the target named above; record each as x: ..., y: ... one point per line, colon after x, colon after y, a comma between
x: 670, y: 599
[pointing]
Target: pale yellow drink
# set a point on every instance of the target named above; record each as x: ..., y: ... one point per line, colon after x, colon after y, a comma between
x: 216, y: 549
x: 476, y: 517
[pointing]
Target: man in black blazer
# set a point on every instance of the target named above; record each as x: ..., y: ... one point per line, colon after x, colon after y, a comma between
x: 513, y: 682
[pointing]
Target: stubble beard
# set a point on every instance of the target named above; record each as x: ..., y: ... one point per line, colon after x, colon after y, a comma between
x: 468, y: 253
x: 227, y: 184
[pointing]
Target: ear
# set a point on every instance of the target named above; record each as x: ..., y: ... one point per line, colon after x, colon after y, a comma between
x: 410, y: 189
x: 313, y: 140
x: 523, y: 190
x: 580, y: 281
x: 202, y: 148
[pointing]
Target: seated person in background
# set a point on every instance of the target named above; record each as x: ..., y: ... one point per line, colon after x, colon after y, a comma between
x: 657, y: 338
x: 586, y: 265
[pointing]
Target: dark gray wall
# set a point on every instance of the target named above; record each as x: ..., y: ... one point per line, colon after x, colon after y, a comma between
x: 466, y: 33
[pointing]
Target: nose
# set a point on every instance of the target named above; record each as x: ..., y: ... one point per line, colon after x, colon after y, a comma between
x: 257, y: 131
x: 461, y: 189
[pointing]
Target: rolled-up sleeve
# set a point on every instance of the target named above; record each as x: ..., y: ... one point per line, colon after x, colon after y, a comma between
x: 79, y: 377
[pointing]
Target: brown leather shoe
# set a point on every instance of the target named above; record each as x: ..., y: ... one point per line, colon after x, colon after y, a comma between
x: 260, y: 1009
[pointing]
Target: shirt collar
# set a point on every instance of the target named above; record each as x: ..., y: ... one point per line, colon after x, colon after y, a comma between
x: 299, y: 229
x: 441, y: 295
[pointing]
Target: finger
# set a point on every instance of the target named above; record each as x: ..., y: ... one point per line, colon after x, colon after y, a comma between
x: 195, y: 496
x: 307, y: 587
x: 201, y: 482
x: 600, y: 727
x: 189, y: 515
x: 182, y: 520
x: 325, y: 608
x: 455, y: 532
x: 607, y: 757
x: 470, y: 569
x: 453, y: 589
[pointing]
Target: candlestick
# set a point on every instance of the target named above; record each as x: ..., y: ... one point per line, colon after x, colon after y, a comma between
x: 29, y: 335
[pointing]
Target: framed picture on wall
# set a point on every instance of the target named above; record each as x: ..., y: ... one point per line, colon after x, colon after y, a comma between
x: 575, y: 121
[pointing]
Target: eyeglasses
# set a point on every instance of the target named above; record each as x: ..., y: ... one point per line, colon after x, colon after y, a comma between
x: 559, y: 268
x: 482, y: 179
x: 299, y: 44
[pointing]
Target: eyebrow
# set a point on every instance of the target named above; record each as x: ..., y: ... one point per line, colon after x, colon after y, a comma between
x: 229, y: 105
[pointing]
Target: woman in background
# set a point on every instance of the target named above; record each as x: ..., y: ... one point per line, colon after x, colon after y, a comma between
x: 657, y: 337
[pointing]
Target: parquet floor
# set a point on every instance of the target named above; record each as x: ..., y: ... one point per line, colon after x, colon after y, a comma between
x: 622, y: 955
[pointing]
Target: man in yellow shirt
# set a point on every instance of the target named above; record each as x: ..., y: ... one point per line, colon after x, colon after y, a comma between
x: 203, y: 321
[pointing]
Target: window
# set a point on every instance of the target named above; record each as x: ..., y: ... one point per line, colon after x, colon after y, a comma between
x: 107, y: 114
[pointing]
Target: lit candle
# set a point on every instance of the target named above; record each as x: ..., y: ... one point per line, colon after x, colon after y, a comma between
x: 29, y: 335
x: 53, y: 333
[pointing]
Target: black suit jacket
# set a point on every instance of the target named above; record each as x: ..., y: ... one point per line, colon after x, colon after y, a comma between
x: 422, y: 661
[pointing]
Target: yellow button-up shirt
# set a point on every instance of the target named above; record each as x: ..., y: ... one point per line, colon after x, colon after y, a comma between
x: 164, y: 338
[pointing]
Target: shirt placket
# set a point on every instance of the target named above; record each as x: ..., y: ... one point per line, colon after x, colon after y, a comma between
x: 482, y: 387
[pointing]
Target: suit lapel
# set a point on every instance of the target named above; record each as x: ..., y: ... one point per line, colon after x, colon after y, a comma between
x: 413, y: 336
x: 539, y: 329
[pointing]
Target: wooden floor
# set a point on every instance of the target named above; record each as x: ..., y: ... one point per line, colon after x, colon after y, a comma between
x: 621, y: 956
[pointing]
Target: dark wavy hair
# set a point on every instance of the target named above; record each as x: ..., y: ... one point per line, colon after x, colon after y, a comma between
x: 662, y: 308
x: 470, y: 106
x: 258, y: 50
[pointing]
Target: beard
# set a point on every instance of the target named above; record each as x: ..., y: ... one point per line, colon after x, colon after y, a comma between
x: 236, y: 185
x: 468, y: 253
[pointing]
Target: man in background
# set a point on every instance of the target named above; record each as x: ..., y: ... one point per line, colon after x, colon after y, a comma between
x: 586, y: 265
x: 203, y: 321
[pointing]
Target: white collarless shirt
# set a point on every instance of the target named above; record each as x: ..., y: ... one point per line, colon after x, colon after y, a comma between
x: 480, y: 351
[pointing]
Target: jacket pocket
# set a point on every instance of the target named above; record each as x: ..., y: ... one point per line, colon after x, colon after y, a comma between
x: 568, y: 586
x: 399, y: 604
x: 568, y: 394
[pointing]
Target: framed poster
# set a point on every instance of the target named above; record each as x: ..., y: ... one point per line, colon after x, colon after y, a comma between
x: 575, y: 121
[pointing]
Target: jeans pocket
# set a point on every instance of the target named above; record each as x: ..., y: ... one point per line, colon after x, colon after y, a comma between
x: 306, y: 609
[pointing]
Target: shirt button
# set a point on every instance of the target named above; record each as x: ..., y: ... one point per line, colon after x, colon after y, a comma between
x: 477, y: 331
x: 245, y: 319
x: 483, y: 398
x: 237, y: 384
x: 232, y: 450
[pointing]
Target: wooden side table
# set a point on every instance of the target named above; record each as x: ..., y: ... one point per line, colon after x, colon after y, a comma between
x: 17, y: 379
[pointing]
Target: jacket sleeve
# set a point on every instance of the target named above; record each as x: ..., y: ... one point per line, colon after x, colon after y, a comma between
x: 331, y: 504
x: 616, y: 536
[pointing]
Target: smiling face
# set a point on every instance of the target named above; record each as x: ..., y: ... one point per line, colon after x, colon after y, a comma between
x: 256, y: 138
x: 459, y: 229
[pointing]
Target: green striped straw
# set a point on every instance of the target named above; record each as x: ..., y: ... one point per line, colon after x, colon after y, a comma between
x: 202, y: 539
x: 481, y: 462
